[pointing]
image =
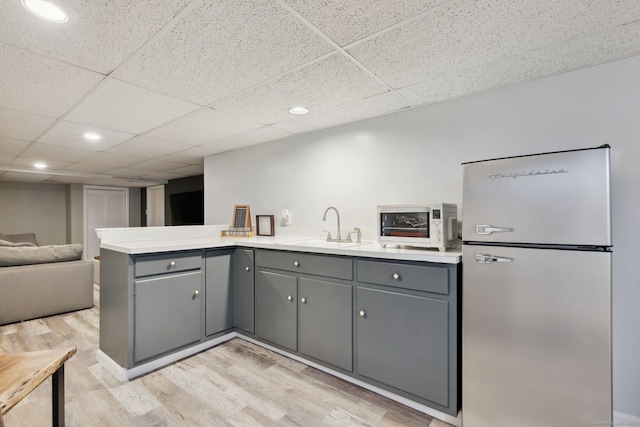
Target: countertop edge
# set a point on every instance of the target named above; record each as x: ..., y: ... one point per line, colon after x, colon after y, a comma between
x: 285, y: 243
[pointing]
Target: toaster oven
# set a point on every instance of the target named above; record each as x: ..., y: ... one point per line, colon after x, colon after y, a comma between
x: 425, y: 226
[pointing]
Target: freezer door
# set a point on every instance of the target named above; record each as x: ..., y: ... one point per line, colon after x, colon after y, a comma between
x: 557, y: 198
x: 536, y: 340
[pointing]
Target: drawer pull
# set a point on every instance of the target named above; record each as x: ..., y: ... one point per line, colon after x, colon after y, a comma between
x: 396, y: 276
x: 303, y: 300
x: 290, y: 298
x: 296, y: 263
x: 172, y: 264
x: 247, y: 268
x: 362, y: 313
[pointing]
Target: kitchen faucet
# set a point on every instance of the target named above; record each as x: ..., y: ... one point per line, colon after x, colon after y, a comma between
x: 324, y: 218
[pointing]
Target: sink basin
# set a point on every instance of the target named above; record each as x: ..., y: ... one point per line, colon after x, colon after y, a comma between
x: 321, y: 243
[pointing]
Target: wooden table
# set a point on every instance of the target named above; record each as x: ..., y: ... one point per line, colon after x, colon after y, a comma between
x: 20, y: 373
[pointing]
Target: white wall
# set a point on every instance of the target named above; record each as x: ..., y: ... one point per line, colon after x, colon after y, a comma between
x: 414, y: 156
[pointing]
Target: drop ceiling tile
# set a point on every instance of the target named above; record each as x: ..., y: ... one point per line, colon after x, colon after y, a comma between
x: 99, y: 34
x: 144, y: 146
x: 12, y: 147
x: 578, y: 53
x: 48, y: 153
x: 253, y: 137
x: 333, y: 81
x: 28, y: 162
x: 346, y: 21
x: 102, y: 162
x: 70, y: 134
x: 62, y: 179
x: 128, y: 173
x: 202, y: 126
x: 157, y: 165
x: 366, y: 108
x: 123, y: 107
x: 22, y: 126
x: 462, y: 35
x: 191, y: 156
x: 224, y: 47
x: 35, y: 84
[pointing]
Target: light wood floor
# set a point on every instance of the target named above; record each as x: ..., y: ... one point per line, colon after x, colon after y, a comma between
x: 234, y: 384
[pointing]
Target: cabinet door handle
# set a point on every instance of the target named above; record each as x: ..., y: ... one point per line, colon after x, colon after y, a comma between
x: 296, y: 263
x: 303, y: 300
x: 290, y: 297
x: 362, y: 313
x: 196, y: 292
x: 396, y: 276
x: 247, y: 268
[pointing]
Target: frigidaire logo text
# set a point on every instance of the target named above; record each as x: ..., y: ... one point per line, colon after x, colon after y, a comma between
x: 514, y: 175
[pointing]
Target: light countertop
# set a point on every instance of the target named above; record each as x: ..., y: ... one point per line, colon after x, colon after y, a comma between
x: 209, y: 238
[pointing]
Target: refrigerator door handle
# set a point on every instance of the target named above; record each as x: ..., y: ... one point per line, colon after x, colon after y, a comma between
x: 488, y: 229
x: 488, y: 258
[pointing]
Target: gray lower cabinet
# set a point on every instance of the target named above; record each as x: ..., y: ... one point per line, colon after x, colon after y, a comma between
x: 150, y: 304
x: 276, y: 308
x: 243, y: 290
x: 302, y: 312
x: 406, y: 330
x: 218, y: 291
x: 168, y: 313
x: 324, y: 321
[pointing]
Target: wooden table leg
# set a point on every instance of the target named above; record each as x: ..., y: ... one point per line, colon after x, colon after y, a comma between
x: 57, y: 397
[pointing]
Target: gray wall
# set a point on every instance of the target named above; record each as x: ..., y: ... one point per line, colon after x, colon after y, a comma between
x: 32, y: 207
x: 414, y: 156
x: 55, y: 212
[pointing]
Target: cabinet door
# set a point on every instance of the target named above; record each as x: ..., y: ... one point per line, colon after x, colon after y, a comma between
x: 243, y: 290
x: 168, y: 313
x: 218, y: 292
x: 325, y: 321
x: 276, y: 308
x: 402, y: 341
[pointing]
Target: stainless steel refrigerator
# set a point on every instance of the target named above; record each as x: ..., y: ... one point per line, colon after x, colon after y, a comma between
x: 536, y: 311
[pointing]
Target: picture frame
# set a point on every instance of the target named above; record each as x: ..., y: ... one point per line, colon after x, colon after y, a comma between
x: 265, y: 225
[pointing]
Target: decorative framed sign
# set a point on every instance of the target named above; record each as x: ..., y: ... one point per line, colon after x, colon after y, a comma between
x: 265, y: 225
x: 240, y: 223
x: 241, y: 217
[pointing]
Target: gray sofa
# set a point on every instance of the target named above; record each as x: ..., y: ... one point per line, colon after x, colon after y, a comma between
x: 38, y: 281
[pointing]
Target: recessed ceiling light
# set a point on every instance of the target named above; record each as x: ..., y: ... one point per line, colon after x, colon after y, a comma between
x: 299, y: 110
x: 92, y: 136
x: 40, y: 165
x: 45, y: 10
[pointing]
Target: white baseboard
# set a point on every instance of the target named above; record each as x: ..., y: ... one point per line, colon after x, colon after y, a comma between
x: 123, y: 374
x: 456, y: 421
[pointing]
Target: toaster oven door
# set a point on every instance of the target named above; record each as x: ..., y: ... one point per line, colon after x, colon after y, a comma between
x: 405, y: 224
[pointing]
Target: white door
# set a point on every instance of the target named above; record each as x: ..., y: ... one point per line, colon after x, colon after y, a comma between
x: 104, y: 207
x: 155, y: 206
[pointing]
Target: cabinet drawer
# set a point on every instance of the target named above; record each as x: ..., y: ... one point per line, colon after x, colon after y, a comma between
x: 320, y: 265
x: 407, y: 276
x: 148, y: 265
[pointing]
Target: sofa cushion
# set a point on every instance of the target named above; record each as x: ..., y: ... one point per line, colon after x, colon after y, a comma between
x: 12, y: 244
x: 23, y: 237
x: 25, y: 255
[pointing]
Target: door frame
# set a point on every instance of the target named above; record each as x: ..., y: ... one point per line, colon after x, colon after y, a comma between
x: 85, y: 191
